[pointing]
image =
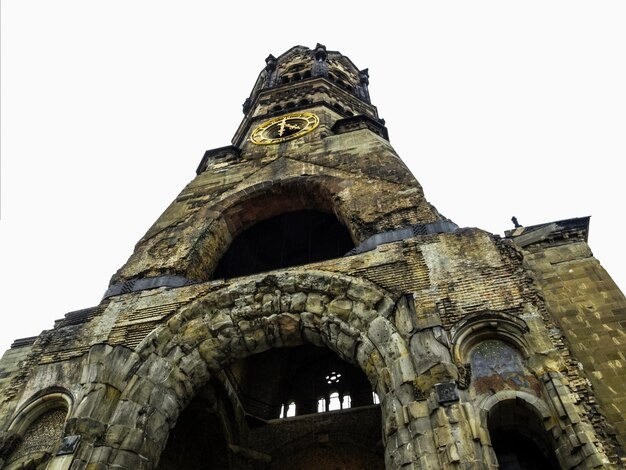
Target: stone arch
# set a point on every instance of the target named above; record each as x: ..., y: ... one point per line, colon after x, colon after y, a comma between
x: 568, y: 439
x: 480, y: 326
x: 521, y: 415
x: 539, y: 398
x: 261, y: 201
x: 36, y: 429
x: 345, y: 314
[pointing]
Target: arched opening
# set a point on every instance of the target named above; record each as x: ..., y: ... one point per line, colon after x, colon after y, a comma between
x: 37, y: 431
x: 519, y: 439
x: 203, y: 432
x: 285, y: 382
x: 307, y: 408
x: 243, y: 331
x: 289, y: 239
x: 263, y: 412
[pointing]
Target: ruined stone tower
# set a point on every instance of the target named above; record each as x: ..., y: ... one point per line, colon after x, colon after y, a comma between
x: 301, y: 305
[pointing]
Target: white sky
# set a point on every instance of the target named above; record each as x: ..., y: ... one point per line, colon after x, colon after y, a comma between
x: 499, y: 108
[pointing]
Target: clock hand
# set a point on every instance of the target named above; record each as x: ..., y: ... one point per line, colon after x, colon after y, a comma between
x: 292, y: 126
x: 281, y: 131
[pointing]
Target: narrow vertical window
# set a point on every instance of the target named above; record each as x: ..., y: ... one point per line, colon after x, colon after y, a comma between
x: 346, y: 402
x: 321, y: 405
x: 375, y: 398
x: 334, y: 402
x: 291, y: 409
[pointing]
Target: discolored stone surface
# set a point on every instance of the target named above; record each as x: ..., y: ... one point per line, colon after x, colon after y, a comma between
x: 523, y: 334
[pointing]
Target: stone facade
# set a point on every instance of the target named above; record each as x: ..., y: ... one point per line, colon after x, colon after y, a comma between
x: 422, y: 345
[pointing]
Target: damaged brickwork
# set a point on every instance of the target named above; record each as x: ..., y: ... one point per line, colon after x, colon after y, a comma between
x: 451, y: 337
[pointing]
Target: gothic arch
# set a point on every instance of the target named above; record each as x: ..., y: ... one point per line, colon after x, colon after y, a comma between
x: 345, y: 314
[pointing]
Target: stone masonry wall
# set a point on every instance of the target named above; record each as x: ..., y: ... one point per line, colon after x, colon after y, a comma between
x: 435, y: 282
x: 589, y: 310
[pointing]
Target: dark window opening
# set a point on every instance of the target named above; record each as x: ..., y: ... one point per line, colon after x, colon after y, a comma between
x: 289, y: 239
x: 299, y: 383
x: 518, y: 438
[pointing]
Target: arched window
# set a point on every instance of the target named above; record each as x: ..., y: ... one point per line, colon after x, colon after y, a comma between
x: 38, y: 428
x: 334, y: 403
x: 289, y: 239
x: 336, y: 400
x: 304, y: 380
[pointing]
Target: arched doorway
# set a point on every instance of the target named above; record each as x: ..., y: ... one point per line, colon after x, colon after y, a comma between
x: 249, y: 426
x: 248, y: 317
x: 519, y: 439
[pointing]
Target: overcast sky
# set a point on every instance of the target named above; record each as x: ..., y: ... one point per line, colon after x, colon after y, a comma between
x: 499, y: 108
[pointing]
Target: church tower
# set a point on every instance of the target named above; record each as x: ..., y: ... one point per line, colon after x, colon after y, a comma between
x: 301, y: 305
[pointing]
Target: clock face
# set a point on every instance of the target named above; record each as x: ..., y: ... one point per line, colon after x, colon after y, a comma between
x: 282, y: 128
